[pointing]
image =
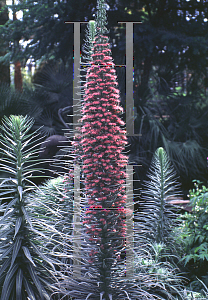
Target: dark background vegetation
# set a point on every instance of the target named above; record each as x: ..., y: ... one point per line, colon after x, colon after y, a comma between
x: 170, y: 73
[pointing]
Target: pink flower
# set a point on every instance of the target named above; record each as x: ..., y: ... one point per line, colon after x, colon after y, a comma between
x: 85, y: 222
x: 103, y: 220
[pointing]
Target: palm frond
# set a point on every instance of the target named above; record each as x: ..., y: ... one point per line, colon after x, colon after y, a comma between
x: 12, y: 102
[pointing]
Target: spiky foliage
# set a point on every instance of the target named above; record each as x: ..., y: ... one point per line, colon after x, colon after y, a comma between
x: 155, y: 247
x: 52, y: 203
x: 26, y: 271
x: 88, y: 50
x: 156, y: 219
x: 155, y: 275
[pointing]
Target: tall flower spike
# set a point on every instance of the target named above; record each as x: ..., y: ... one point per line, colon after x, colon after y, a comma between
x: 99, y: 153
x: 102, y: 142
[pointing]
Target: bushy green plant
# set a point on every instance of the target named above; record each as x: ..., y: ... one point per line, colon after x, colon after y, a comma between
x: 194, y: 235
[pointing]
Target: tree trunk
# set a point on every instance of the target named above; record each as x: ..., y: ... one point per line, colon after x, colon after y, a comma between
x: 17, y: 76
x: 4, y: 69
x: 17, y: 64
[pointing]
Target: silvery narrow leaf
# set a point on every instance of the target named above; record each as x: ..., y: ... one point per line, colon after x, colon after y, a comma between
x: 9, y: 179
x: 19, y: 278
x: 49, y: 261
x: 26, y: 216
x: 29, y: 289
x: 3, y: 268
x: 35, y: 280
x: 11, y: 203
x: 8, y: 283
x: 6, y: 216
x: 17, y: 225
x: 5, y: 253
x: 20, y: 192
x: 28, y: 255
x: 16, y: 249
x: 4, y: 233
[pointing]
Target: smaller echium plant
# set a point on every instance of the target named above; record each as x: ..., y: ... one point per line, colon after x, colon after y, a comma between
x: 155, y: 246
x: 157, y: 219
x: 26, y: 266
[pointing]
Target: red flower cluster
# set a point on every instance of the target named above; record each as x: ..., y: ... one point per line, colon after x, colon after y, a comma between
x: 101, y: 142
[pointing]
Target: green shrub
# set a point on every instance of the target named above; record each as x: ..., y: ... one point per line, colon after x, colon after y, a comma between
x: 194, y: 235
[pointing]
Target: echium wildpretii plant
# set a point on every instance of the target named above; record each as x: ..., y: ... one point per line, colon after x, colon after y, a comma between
x: 26, y: 268
x: 157, y: 219
x: 103, y: 165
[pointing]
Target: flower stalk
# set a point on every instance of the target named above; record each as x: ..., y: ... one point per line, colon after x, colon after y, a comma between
x: 99, y: 148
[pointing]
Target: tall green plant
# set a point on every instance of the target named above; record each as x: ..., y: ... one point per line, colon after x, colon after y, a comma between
x: 155, y: 246
x: 26, y: 272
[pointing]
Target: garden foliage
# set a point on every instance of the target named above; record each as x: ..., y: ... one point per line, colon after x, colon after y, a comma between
x: 195, y: 226
x: 194, y: 236
x: 37, y: 241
